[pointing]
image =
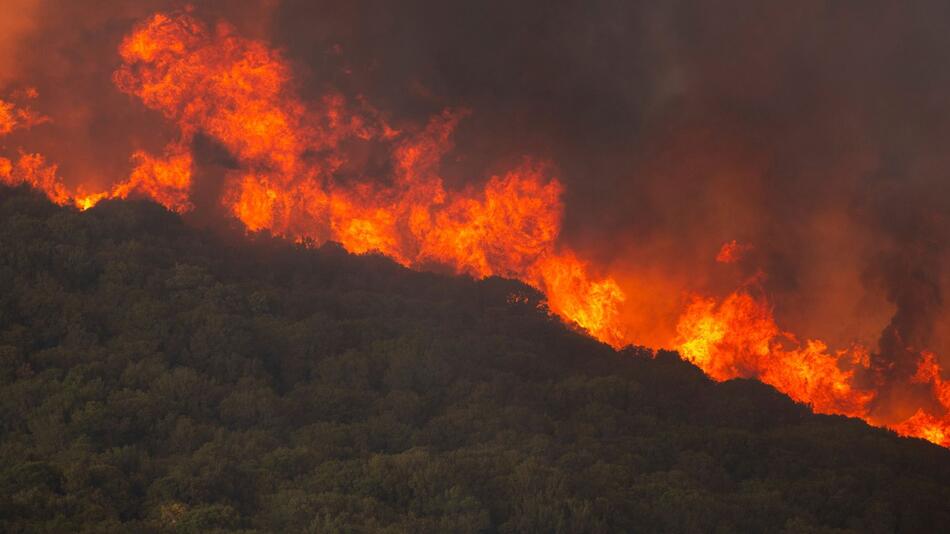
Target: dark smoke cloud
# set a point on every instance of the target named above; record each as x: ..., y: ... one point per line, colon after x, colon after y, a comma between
x: 816, y: 131
x: 678, y: 126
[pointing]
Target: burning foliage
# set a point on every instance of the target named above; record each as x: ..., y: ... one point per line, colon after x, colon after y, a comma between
x: 332, y: 166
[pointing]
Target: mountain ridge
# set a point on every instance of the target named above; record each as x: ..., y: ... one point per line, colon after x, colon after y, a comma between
x: 160, y: 377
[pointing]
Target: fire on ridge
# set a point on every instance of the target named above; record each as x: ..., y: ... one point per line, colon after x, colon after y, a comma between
x: 213, y: 82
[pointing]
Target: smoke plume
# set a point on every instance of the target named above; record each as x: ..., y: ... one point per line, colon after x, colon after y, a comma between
x: 629, y: 142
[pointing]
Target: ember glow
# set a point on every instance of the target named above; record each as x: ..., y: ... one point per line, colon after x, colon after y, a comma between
x: 291, y: 175
x: 732, y: 251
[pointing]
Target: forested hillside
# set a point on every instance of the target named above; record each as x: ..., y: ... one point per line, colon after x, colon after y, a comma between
x: 158, y: 377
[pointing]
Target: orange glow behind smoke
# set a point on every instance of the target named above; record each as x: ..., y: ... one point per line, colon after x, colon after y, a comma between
x: 732, y: 252
x: 286, y: 179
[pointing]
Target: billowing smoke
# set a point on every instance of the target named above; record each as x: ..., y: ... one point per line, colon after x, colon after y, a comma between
x: 681, y: 126
x: 813, y: 134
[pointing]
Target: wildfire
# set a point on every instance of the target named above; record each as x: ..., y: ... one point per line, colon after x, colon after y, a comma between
x: 237, y: 91
x: 738, y: 338
x: 288, y: 159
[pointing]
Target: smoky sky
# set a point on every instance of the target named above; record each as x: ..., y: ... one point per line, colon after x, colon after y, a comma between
x: 815, y: 131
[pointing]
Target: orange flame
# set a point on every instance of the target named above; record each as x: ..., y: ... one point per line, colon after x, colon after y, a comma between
x: 237, y: 91
x: 286, y: 179
x: 930, y: 426
x: 13, y: 116
x: 32, y: 169
x: 732, y: 251
x: 738, y: 338
x: 8, y: 120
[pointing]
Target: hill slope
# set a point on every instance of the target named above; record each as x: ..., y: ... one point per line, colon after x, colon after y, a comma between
x: 154, y: 377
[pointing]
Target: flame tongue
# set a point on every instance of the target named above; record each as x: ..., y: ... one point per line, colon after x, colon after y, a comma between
x: 738, y: 337
x: 288, y: 157
x: 236, y: 91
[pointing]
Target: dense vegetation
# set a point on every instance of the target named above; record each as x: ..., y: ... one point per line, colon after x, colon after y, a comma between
x: 155, y: 377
